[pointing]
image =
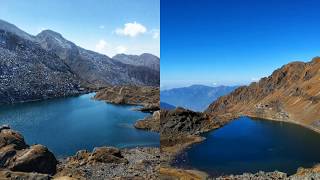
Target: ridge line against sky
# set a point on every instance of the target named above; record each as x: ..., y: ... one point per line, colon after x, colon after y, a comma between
x: 232, y: 42
x: 109, y: 27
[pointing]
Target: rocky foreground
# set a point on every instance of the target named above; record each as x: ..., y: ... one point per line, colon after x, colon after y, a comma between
x: 21, y: 161
x: 302, y: 174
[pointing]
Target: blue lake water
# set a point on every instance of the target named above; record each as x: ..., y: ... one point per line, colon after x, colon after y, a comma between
x: 250, y: 145
x: 66, y: 125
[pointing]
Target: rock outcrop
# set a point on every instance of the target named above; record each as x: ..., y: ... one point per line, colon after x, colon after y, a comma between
x: 146, y: 96
x: 180, y: 128
x: 291, y: 93
x: 16, y: 155
x: 150, y: 123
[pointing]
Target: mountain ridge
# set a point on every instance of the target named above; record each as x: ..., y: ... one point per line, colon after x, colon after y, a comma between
x: 145, y: 59
x: 47, y: 65
x: 195, y: 97
x: 291, y: 93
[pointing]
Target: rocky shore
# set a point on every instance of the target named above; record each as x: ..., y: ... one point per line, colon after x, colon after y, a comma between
x: 145, y: 96
x: 21, y: 161
x: 150, y: 123
x: 181, y: 128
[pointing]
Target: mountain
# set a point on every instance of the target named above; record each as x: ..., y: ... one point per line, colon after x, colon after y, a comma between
x: 28, y: 72
x: 147, y: 60
x: 94, y: 68
x: 291, y: 93
x: 195, y: 97
x: 166, y: 106
x: 47, y: 65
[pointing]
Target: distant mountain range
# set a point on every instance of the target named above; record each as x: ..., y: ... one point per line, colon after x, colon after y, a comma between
x: 195, y: 97
x: 47, y: 65
x: 147, y: 60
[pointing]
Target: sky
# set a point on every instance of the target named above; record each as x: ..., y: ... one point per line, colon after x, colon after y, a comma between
x: 234, y: 42
x: 106, y: 26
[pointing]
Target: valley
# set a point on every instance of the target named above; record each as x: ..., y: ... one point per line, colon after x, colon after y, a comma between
x: 288, y: 95
x: 57, y: 122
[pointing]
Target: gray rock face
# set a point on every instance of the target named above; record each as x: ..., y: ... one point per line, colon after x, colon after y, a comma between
x: 48, y: 66
x: 147, y: 60
x: 95, y: 68
x: 28, y: 72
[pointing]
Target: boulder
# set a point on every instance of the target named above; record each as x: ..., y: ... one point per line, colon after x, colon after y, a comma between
x: 16, y: 155
x: 107, y: 155
x: 37, y: 158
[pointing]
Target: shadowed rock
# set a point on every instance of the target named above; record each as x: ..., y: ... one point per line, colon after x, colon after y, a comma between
x: 16, y: 155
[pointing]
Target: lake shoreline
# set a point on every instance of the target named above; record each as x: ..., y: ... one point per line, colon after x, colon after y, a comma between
x: 178, y: 152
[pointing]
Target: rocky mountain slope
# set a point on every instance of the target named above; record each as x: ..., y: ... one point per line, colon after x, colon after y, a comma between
x: 47, y: 66
x: 95, y: 68
x: 28, y: 72
x: 195, y: 97
x: 147, y: 60
x: 291, y: 93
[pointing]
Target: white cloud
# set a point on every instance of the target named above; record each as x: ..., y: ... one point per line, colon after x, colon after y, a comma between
x: 101, y: 26
x: 155, y: 33
x: 131, y: 29
x: 101, y: 45
x: 121, y: 49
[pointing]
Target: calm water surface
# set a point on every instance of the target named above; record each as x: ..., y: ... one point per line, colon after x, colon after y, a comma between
x: 247, y: 145
x: 67, y: 125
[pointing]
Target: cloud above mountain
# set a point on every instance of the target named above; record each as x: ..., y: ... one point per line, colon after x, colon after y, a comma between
x: 131, y: 29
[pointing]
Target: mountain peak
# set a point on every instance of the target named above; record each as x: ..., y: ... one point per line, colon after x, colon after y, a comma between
x: 51, y: 33
x: 53, y: 39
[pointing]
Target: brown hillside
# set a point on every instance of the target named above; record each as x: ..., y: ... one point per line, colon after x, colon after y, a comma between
x: 291, y: 93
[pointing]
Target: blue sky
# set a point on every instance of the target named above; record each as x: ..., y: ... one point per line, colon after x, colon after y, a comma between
x: 106, y: 26
x: 234, y: 42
